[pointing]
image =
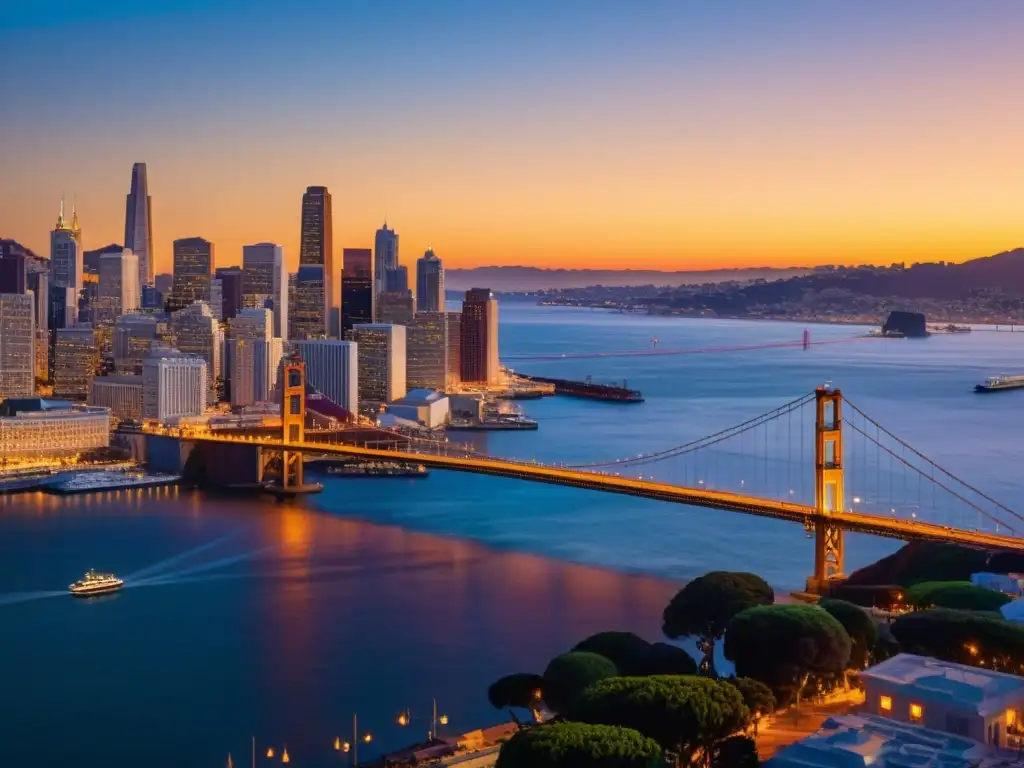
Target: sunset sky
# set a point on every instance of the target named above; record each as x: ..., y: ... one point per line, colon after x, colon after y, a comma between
x: 682, y: 134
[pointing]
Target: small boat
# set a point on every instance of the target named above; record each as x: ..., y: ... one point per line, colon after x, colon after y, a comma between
x: 94, y: 583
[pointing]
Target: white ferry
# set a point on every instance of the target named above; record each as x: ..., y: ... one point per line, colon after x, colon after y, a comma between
x: 95, y: 584
x: 998, y: 383
x: 85, y: 482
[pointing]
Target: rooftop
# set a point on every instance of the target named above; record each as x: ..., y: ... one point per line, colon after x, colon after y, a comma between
x: 12, y: 406
x: 419, y: 397
x: 956, y: 685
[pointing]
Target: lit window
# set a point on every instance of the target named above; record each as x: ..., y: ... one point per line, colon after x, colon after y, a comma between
x: 916, y: 712
x: 1011, y: 716
x: 885, y: 704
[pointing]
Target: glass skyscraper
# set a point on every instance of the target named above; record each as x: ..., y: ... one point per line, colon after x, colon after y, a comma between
x: 315, y: 292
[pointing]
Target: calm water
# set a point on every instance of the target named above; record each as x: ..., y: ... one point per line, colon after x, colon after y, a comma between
x: 379, y: 594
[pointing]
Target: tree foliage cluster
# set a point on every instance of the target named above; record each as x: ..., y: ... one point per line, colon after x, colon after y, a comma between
x: 963, y: 637
x: 961, y: 595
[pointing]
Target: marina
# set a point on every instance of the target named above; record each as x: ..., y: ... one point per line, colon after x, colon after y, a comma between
x: 90, y: 482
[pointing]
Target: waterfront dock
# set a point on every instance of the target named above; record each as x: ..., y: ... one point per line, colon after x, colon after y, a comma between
x: 587, y: 389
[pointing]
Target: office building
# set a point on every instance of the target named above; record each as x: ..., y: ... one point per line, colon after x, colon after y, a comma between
x: 315, y: 290
x: 164, y: 283
x: 381, y: 350
x: 426, y: 360
x: 246, y: 328
x: 118, y: 288
x: 66, y: 252
x: 174, y: 385
x: 121, y: 394
x: 356, y: 288
x: 216, y: 301
x: 17, y: 345
x: 87, y: 300
x: 454, y: 322
x: 231, y: 289
x: 396, y: 308
x: 332, y: 368
x: 76, y: 362
x: 397, y: 280
x: 193, y: 271
x: 91, y: 259
x: 13, y: 273
x: 42, y: 354
x: 152, y: 298
x: 198, y: 333
x: 138, y: 224
x: 385, y: 257
x: 39, y: 284
x: 265, y: 279
x: 429, y: 283
x: 479, y: 349
x: 33, y: 429
x: 132, y: 338
x: 267, y: 356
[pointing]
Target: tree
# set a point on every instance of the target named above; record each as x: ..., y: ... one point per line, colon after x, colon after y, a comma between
x: 704, y: 607
x: 964, y: 637
x: 735, y: 752
x: 858, y: 625
x: 625, y: 650
x: 578, y: 745
x: 665, y: 659
x: 961, y: 595
x: 757, y: 697
x: 684, y: 714
x: 784, y: 645
x: 567, y: 675
x: 521, y: 689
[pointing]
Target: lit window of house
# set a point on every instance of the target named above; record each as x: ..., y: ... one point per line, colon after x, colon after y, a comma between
x: 885, y: 703
x: 1011, y: 717
x: 916, y: 712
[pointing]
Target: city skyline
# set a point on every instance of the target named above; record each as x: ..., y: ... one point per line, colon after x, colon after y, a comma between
x: 681, y: 138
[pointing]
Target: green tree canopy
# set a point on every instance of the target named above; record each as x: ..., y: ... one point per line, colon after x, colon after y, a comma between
x: 784, y: 645
x: 703, y: 608
x: 757, y: 697
x: 684, y: 714
x: 665, y: 659
x: 567, y: 675
x: 521, y: 689
x: 735, y: 752
x: 961, y: 595
x: 625, y: 650
x: 964, y: 637
x: 578, y: 745
x: 858, y: 625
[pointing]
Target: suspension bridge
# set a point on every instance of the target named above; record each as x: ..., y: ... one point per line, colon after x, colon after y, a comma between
x: 818, y: 460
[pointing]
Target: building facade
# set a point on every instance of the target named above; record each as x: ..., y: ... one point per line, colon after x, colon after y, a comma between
x: 133, y: 337
x: 332, y: 368
x: 174, y: 385
x: 385, y: 257
x: 17, y: 345
x: 138, y: 224
x: 265, y: 279
x: 429, y: 283
x: 267, y: 368
x: 37, y: 429
x: 119, y: 291
x: 193, y: 271
x: 396, y: 308
x: 76, y: 362
x: 197, y: 332
x: 453, y: 320
x: 121, y: 394
x: 426, y: 360
x: 66, y: 252
x: 381, y: 351
x: 244, y: 330
x: 357, y: 291
x: 231, y: 291
x: 315, y: 294
x: 479, y: 337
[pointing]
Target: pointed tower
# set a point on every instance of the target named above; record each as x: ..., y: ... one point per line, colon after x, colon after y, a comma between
x: 76, y: 228
x: 60, y: 216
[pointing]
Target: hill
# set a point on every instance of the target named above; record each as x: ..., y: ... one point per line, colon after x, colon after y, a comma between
x: 528, y: 279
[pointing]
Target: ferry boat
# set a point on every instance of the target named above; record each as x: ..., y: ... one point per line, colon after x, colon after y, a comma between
x: 378, y: 469
x: 999, y: 383
x: 501, y: 421
x: 88, y: 482
x: 94, y: 583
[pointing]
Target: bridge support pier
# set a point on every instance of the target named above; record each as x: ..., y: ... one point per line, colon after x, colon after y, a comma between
x: 828, y: 489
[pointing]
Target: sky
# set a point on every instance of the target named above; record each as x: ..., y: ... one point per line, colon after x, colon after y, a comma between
x: 675, y: 134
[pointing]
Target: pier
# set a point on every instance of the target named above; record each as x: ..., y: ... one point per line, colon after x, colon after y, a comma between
x: 589, y: 390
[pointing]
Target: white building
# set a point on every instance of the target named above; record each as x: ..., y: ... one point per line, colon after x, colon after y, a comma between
x: 198, y: 333
x: 978, y: 704
x: 266, y: 368
x: 423, y: 406
x: 121, y: 394
x: 265, y: 278
x: 34, y: 428
x: 332, y: 368
x: 119, y: 290
x: 17, y: 345
x: 382, y: 352
x: 174, y: 385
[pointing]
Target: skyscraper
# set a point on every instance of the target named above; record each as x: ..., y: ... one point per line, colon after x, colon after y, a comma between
x: 426, y: 356
x: 429, y: 283
x: 480, y: 337
x: 356, y: 288
x: 76, y: 361
x: 193, y: 271
x: 396, y: 308
x: 13, y: 273
x: 332, y: 368
x: 17, y: 345
x: 244, y: 330
x: 231, y: 287
x: 265, y: 278
x: 133, y: 337
x: 385, y: 255
x: 138, y: 223
x: 267, y: 367
x: 66, y: 252
x: 315, y: 292
x: 381, y: 351
x: 198, y: 332
x: 173, y: 385
x: 119, y: 286
x: 453, y: 320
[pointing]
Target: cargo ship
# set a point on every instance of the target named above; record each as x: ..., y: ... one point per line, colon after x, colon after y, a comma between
x: 588, y: 389
x: 999, y: 383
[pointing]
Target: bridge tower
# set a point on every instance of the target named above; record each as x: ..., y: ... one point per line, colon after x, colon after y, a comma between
x: 828, y: 488
x: 293, y: 419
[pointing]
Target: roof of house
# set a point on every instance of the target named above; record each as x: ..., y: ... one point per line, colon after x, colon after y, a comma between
x: 419, y: 397
x: 956, y: 685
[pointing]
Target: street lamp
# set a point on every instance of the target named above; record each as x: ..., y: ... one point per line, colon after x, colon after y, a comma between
x: 406, y: 717
x: 353, y: 746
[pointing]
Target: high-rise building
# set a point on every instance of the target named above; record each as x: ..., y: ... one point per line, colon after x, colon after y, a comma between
x: 173, y: 385
x: 216, y: 301
x: 133, y: 337
x: 246, y: 328
x: 397, y: 280
x: 267, y: 367
x: 453, y: 320
x: 381, y: 350
x: 91, y: 259
x: 66, y: 252
x: 385, y: 257
x: 118, y: 286
x: 426, y: 356
x: 87, y: 300
x: 193, y: 271
x: 152, y: 298
x: 17, y: 345
x: 396, y: 308
x: 332, y: 368
x: 198, y: 333
x: 121, y: 394
x: 76, y: 362
x: 315, y: 294
x: 357, y: 291
x: 164, y: 283
x: 62, y: 311
x: 231, y: 290
x: 479, y: 350
x: 138, y: 224
x: 39, y: 284
x: 13, y: 273
x: 265, y: 279
x: 429, y: 283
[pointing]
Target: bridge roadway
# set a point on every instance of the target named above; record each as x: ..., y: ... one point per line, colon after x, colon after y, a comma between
x: 876, y: 525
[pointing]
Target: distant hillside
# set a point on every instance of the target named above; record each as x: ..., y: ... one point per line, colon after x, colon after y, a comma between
x: 536, y: 279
